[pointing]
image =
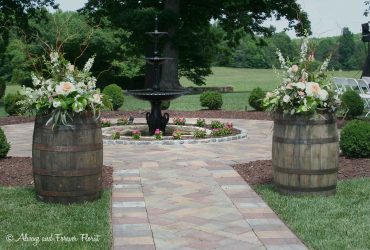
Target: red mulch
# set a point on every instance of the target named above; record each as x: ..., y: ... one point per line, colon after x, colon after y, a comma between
x: 17, y: 171
x: 260, y: 172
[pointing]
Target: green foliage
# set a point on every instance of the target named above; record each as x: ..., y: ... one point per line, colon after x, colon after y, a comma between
x: 12, y: 107
x: 2, y: 89
x: 165, y: 105
x: 353, y: 103
x: 190, y: 28
x: 122, y: 121
x: 200, y: 133
x: 255, y: 99
x: 177, y: 135
x: 4, y: 145
x: 200, y: 122
x: 211, y: 100
x: 346, y: 49
x: 354, y: 139
x: 116, y: 135
x: 115, y: 94
x: 224, y: 131
x: 104, y: 123
x: 216, y: 124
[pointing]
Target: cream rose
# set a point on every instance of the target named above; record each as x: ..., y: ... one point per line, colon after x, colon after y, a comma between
x: 96, y: 98
x: 294, y: 68
x: 323, y: 95
x: 64, y: 88
x: 312, y: 89
x: 286, y: 98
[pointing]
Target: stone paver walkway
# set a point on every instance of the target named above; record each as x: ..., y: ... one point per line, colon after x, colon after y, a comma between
x: 186, y: 196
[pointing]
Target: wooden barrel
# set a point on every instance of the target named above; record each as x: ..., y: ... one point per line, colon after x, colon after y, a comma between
x: 305, y: 154
x: 67, y: 160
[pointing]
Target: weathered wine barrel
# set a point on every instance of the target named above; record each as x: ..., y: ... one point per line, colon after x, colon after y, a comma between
x: 305, y: 154
x: 67, y: 160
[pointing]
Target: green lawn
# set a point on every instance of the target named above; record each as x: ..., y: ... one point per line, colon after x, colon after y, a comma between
x: 22, y: 216
x: 337, y: 222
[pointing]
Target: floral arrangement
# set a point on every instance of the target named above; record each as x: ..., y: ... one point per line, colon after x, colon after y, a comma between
x: 200, y: 122
x: 305, y: 88
x: 62, y: 90
x: 179, y: 120
x: 136, y: 134
x: 158, y: 134
x: 177, y: 135
x: 104, y: 122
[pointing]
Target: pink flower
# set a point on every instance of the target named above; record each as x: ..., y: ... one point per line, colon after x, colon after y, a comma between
x: 157, y: 132
x: 136, y: 132
x: 300, y: 93
x: 229, y: 125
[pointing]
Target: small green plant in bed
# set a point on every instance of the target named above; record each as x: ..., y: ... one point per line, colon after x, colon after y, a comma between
x: 116, y: 135
x: 200, y: 122
x: 216, y: 124
x: 341, y: 221
x: 122, y: 121
x: 200, y: 133
x: 217, y: 132
x: 22, y: 217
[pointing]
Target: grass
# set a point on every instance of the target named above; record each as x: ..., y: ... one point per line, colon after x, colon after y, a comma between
x: 337, y: 222
x: 21, y: 213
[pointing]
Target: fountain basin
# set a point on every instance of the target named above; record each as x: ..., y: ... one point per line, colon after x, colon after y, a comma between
x: 161, y: 95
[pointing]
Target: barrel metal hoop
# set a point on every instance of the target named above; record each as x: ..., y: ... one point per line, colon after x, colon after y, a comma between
x: 303, y: 122
x: 67, y: 173
x: 305, y: 189
x: 75, y: 148
x: 65, y: 194
x: 306, y: 171
x: 305, y: 141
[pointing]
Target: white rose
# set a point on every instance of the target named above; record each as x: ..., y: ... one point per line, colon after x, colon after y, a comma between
x: 301, y: 85
x: 71, y: 67
x: 269, y: 95
x: 96, y: 98
x: 323, y: 95
x: 64, y: 88
x: 312, y: 89
x: 56, y: 103
x: 286, y: 98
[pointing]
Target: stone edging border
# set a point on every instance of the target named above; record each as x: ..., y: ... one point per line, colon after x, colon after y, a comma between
x: 243, y: 134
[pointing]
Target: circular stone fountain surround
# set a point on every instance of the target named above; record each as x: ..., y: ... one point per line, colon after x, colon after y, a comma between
x: 167, y: 140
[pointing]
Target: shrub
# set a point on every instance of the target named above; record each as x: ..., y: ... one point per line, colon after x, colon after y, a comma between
x: 256, y: 99
x: 216, y: 124
x: 177, y: 135
x: 354, y: 139
x: 105, y: 122
x: 179, y: 120
x: 122, y: 121
x: 12, y: 107
x: 201, y: 122
x: 136, y: 134
x: 211, y: 100
x: 199, y: 133
x: 116, y: 135
x: 115, y: 94
x: 4, y: 145
x: 221, y: 132
x: 165, y: 105
x: 352, y: 101
x: 158, y: 134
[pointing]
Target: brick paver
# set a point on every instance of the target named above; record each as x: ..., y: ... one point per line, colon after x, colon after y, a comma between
x: 186, y: 196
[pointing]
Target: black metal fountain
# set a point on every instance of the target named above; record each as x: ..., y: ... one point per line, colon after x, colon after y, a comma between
x: 155, y: 95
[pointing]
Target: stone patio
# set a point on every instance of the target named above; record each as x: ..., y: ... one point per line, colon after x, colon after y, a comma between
x: 186, y: 196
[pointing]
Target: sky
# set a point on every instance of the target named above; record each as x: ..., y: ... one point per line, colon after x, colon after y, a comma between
x: 328, y: 17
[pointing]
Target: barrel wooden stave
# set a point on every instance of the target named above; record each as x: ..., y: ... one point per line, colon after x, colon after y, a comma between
x: 305, y: 155
x: 67, y: 162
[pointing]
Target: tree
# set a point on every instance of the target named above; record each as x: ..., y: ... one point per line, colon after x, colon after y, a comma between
x: 346, y: 50
x: 191, y: 42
